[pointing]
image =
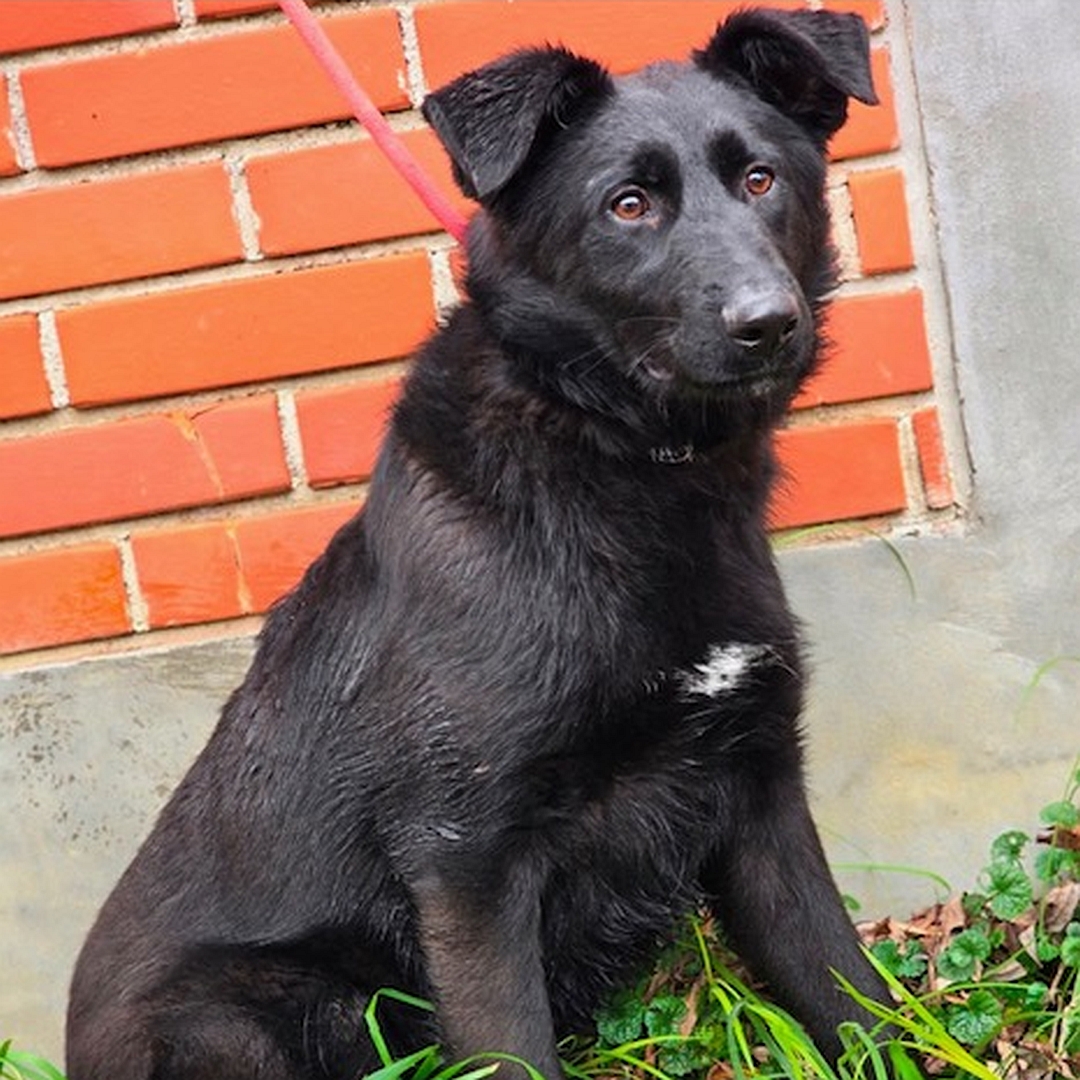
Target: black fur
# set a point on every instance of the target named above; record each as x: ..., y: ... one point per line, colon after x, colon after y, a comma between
x: 542, y: 696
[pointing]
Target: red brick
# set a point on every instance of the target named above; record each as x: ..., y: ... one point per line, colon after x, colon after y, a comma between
x: 56, y: 597
x: 879, y: 350
x: 881, y: 220
x: 205, y: 89
x: 32, y: 24
x: 24, y: 390
x: 333, y: 195
x: 870, y: 129
x: 188, y: 575
x: 835, y: 473
x: 933, y: 462
x: 134, y: 467
x: 242, y: 448
x: 111, y: 230
x: 455, y: 37
x: 872, y: 11
x: 219, y: 9
x: 341, y: 429
x: 223, y: 9
x: 275, y: 551
x: 9, y: 164
x: 246, y: 330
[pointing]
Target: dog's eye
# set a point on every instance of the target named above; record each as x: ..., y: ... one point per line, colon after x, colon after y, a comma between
x: 631, y: 204
x: 759, y: 180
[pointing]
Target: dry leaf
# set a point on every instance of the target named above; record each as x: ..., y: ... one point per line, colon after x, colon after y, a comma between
x: 1060, y: 905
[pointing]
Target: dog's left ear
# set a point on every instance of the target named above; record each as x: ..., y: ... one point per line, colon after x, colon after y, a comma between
x: 805, y: 63
x: 491, y: 119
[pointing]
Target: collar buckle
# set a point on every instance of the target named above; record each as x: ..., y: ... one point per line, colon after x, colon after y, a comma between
x: 672, y: 455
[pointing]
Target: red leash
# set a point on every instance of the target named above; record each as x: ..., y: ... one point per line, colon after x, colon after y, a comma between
x: 368, y: 115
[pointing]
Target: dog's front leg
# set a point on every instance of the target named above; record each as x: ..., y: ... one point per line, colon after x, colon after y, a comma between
x: 774, y: 895
x: 481, y: 943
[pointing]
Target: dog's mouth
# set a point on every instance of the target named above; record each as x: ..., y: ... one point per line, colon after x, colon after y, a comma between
x: 669, y: 360
x: 658, y: 370
x: 763, y: 380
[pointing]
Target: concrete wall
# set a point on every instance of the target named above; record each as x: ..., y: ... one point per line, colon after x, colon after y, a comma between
x: 923, y: 741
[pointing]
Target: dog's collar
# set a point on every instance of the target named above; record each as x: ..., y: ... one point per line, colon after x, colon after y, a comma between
x: 672, y: 455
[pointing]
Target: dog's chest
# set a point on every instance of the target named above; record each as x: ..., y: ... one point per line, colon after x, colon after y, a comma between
x: 630, y: 822
x: 725, y: 670
x: 661, y: 765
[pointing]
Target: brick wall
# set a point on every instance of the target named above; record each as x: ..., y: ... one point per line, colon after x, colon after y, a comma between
x: 210, y: 284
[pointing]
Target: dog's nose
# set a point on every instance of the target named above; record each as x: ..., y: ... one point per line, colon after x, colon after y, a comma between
x: 761, y: 324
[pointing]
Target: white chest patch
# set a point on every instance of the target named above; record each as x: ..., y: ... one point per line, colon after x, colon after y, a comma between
x: 725, y: 669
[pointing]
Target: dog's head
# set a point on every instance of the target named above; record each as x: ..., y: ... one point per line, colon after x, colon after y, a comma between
x: 663, y: 236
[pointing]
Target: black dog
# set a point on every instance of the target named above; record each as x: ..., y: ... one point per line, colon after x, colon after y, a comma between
x: 542, y: 696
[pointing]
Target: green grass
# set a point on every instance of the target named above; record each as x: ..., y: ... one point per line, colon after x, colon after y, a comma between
x: 703, y: 1018
x: 19, y: 1065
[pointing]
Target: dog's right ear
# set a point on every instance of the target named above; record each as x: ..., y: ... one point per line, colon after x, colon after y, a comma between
x: 490, y: 120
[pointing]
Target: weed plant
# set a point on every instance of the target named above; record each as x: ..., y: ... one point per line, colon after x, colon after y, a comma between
x: 986, y: 985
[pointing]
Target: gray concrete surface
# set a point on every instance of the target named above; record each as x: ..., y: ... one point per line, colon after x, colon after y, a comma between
x: 924, y: 738
x: 923, y: 741
x: 88, y: 754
